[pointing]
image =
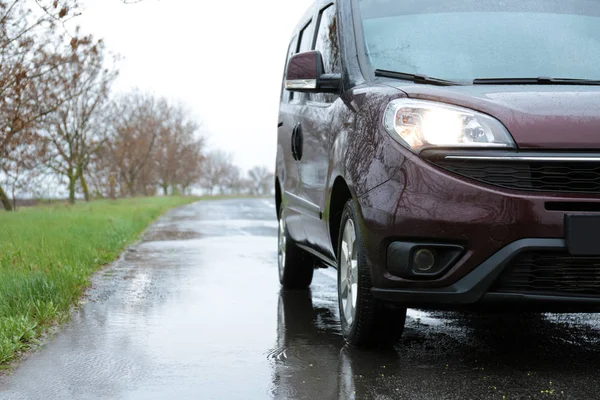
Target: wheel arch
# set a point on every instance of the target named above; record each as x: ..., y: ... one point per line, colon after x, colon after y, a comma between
x: 340, y: 194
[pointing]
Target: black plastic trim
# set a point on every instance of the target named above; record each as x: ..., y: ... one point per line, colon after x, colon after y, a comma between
x: 471, y: 288
x: 329, y: 83
x: 400, y: 254
x: 465, y: 163
x: 573, y: 206
x: 364, y: 64
x: 539, y: 298
x: 328, y: 261
x: 542, y: 80
x: 416, y: 78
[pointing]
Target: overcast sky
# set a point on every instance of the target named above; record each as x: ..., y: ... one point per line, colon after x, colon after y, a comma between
x: 223, y: 59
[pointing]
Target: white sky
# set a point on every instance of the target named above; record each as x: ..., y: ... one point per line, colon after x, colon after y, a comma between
x: 222, y: 59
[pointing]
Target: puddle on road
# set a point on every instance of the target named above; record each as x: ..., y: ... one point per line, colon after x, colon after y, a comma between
x: 170, y: 235
x: 423, y: 317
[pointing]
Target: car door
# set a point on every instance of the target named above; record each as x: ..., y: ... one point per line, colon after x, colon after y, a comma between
x: 291, y: 106
x: 315, y: 124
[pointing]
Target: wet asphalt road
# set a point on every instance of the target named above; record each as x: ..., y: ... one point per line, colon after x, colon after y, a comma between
x: 195, y: 312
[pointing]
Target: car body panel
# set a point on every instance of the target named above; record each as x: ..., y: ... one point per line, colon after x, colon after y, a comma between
x: 288, y: 173
x: 314, y: 167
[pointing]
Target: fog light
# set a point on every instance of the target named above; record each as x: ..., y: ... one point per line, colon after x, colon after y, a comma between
x: 421, y: 260
x: 424, y: 260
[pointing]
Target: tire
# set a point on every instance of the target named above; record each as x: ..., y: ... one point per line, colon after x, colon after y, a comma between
x: 365, y: 321
x: 296, y: 267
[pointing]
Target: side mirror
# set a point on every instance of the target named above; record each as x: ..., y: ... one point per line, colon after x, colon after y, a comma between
x: 305, y: 74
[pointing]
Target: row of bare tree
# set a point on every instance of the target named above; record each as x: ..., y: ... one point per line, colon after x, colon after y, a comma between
x: 221, y: 176
x: 60, y: 123
x: 146, y: 143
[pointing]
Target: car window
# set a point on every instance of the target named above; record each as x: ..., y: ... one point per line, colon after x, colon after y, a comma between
x: 286, y: 95
x: 327, y: 43
x: 305, y: 38
x: 464, y: 40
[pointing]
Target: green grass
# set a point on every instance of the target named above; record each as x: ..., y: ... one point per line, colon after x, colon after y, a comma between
x: 48, y: 254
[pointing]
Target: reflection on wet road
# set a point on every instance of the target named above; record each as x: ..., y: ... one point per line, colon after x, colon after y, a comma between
x: 195, y: 311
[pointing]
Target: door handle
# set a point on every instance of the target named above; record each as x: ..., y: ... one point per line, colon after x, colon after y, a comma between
x: 294, y: 142
x: 297, y: 142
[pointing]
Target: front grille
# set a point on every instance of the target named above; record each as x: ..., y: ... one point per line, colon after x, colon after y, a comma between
x: 541, y: 176
x: 553, y: 273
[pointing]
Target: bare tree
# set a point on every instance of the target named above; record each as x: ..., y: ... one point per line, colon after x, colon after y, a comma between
x: 26, y: 61
x: 136, y: 125
x: 232, y: 182
x: 178, y: 154
x: 219, y: 172
x: 191, y: 165
x: 153, y: 144
x: 74, y: 132
x: 261, y: 180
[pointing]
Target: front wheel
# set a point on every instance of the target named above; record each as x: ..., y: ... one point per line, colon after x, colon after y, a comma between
x: 365, y: 321
x: 296, y: 267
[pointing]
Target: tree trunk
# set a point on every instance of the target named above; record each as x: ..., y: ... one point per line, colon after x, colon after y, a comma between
x: 14, y: 198
x: 112, y: 186
x: 84, y: 187
x: 165, y: 188
x: 72, y: 181
x: 131, y: 186
x: 5, y: 200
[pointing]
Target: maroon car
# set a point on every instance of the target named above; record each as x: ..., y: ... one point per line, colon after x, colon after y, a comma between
x: 442, y: 154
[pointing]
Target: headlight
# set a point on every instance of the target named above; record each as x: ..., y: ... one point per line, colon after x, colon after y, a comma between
x: 423, y: 124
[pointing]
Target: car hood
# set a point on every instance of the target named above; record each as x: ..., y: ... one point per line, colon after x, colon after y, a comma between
x: 537, y: 116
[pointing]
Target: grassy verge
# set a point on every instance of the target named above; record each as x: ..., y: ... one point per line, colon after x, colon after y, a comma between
x: 48, y: 254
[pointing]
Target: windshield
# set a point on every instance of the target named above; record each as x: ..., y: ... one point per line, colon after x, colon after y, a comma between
x: 463, y: 40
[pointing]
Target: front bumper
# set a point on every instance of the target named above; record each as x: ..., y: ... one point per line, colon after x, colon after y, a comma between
x: 496, y: 227
x: 423, y: 203
x: 473, y: 290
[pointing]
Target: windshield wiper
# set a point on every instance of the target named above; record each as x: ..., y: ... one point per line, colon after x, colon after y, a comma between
x: 416, y: 78
x: 542, y: 80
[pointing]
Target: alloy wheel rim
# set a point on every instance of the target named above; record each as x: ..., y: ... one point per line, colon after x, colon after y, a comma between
x: 348, y: 273
x: 281, y: 247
